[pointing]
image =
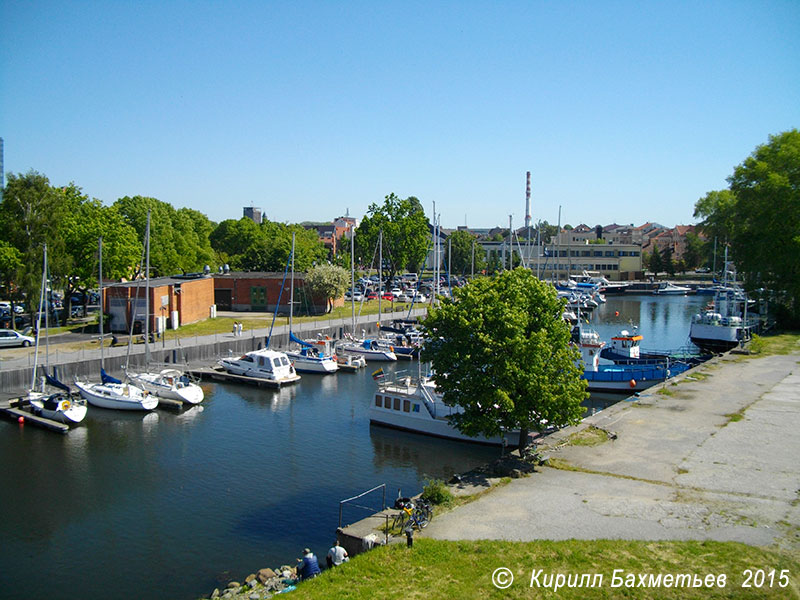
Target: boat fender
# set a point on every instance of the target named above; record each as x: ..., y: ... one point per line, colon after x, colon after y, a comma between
x: 632, y: 383
x: 65, y: 405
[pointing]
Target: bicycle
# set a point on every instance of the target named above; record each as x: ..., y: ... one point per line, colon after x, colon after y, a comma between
x: 411, y: 514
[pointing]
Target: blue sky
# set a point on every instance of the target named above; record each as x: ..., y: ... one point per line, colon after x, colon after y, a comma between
x: 623, y: 111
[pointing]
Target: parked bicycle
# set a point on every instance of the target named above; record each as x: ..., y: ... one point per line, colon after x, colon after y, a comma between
x: 412, y: 514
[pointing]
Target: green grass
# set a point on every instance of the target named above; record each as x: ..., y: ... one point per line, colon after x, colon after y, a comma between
x: 767, y: 345
x: 591, y: 436
x: 440, y: 569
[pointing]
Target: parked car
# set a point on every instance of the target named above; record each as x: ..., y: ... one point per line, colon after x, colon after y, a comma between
x: 387, y: 296
x: 20, y: 321
x: 372, y: 295
x: 9, y: 337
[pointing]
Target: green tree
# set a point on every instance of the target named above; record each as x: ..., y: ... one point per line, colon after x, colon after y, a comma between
x: 694, y: 251
x: 666, y: 259
x: 406, y: 234
x: 656, y: 264
x: 30, y: 216
x: 328, y: 281
x: 503, y: 353
x: 461, y: 246
x: 10, y: 264
x: 759, y: 217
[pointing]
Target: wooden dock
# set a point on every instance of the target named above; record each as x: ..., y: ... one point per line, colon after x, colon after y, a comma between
x: 220, y: 374
x: 13, y: 410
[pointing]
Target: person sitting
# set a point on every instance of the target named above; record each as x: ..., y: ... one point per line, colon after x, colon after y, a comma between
x: 336, y: 555
x: 309, y: 566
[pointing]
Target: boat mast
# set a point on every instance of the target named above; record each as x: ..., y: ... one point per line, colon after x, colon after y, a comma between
x: 147, y: 293
x: 102, y: 304
x: 380, y: 274
x: 39, y: 320
x: 291, y: 289
x: 353, y: 275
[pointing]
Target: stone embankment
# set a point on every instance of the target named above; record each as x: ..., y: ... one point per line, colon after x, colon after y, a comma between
x: 260, y: 585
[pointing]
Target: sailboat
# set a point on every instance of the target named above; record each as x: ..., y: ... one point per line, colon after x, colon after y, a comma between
x: 111, y: 392
x: 368, y: 349
x: 60, y: 405
x: 169, y: 382
x: 308, y: 358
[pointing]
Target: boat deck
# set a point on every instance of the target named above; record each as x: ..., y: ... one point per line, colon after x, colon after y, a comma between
x: 220, y: 374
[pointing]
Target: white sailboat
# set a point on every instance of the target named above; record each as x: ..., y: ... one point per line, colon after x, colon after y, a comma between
x: 111, y: 392
x: 368, y: 349
x: 308, y: 358
x: 60, y: 405
x: 169, y: 382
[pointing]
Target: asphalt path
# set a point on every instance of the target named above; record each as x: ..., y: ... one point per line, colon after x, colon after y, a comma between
x: 682, y: 467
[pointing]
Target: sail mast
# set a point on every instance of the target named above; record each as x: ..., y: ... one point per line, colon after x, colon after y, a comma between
x: 291, y: 290
x: 353, y: 275
x: 39, y: 320
x: 102, y: 304
x: 147, y: 293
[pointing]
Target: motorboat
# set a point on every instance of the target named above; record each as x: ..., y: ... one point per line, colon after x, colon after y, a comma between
x: 370, y: 349
x: 668, y: 288
x: 620, y: 378
x: 169, y: 383
x: 270, y: 365
x: 412, y: 404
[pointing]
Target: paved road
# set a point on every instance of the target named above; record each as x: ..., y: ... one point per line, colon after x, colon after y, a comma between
x: 679, y: 468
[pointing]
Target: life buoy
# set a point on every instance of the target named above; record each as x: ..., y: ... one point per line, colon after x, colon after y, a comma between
x: 65, y: 405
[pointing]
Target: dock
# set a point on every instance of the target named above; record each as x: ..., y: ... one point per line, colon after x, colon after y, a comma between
x: 220, y: 374
x: 11, y: 408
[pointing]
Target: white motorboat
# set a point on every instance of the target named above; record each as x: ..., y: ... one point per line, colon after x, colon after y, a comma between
x: 668, y: 288
x: 370, y: 349
x: 413, y: 404
x: 270, y: 365
x: 169, y: 383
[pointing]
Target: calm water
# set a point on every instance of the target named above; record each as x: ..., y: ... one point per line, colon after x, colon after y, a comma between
x: 168, y: 505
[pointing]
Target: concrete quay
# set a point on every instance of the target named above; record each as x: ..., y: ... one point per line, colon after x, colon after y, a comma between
x: 710, y: 455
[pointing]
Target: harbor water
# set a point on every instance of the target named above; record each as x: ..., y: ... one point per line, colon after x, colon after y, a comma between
x: 171, y: 505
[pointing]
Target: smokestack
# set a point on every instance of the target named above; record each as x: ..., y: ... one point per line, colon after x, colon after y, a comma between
x: 528, y: 201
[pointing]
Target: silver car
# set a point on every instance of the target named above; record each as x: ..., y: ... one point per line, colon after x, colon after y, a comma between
x: 9, y: 337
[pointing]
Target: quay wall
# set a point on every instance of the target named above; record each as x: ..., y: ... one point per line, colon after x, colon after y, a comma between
x: 200, y: 351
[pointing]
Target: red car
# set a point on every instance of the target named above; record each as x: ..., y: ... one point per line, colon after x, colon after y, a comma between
x: 372, y: 296
x: 387, y: 296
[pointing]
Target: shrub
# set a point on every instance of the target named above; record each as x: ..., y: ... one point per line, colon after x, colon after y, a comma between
x: 436, y: 492
x: 757, y: 344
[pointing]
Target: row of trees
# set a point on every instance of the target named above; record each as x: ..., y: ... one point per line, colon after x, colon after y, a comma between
x: 758, y: 217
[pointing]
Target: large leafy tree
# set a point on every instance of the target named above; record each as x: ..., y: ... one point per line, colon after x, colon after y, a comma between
x: 503, y: 353
x: 328, y: 281
x: 759, y: 217
x: 31, y: 214
x: 10, y: 263
x: 460, y: 246
x: 406, y: 235
x: 179, y: 239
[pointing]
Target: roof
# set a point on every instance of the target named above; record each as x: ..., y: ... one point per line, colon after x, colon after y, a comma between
x: 161, y: 281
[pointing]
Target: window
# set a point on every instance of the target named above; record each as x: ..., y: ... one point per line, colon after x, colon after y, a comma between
x: 387, y: 402
x: 416, y: 408
x: 406, y: 405
x: 610, y: 253
x: 258, y: 298
x: 378, y: 401
x: 397, y: 403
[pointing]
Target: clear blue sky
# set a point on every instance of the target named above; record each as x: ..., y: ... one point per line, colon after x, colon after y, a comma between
x: 623, y: 111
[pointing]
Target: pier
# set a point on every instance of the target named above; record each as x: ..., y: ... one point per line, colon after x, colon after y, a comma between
x: 13, y: 410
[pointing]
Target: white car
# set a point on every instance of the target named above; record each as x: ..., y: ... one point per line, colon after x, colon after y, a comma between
x: 9, y: 337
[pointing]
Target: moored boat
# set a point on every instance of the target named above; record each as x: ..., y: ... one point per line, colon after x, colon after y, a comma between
x: 413, y: 404
x: 668, y: 288
x: 169, y: 383
x: 270, y: 365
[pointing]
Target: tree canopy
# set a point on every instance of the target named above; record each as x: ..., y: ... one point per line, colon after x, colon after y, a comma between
x: 405, y: 234
x: 759, y: 218
x: 328, y: 281
x: 503, y: 353
x: 460, y: 246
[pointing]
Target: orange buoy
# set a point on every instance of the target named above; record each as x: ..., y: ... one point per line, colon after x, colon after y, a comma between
x: 632, y: 383
x: 21, y: 420
x: 616, y: 313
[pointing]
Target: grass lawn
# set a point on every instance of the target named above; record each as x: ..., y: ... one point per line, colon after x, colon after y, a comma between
x: 456, y: 570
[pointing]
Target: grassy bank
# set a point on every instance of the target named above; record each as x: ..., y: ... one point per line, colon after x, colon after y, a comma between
x: 440, y: 569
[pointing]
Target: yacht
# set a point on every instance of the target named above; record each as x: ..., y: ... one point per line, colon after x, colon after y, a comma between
x: 668, y: 288
x: 269, y: 365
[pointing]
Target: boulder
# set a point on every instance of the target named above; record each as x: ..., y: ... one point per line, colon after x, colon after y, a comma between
x: 264, y: 574
x: 215, y: 593
x: 254, y: 596
x: 233, y: 585
x: 250, y: 578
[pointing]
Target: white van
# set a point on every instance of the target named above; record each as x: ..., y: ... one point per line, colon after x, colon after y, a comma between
x: 410, y: 278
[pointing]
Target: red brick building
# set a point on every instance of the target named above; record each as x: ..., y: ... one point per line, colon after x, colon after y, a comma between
x: 261, y: 292
x: 175, y: 301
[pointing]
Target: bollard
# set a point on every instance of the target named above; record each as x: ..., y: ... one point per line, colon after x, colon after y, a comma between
x: 409, y: 536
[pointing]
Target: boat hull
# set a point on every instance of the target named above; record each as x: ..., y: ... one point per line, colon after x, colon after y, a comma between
x: 630, y: 378
x: 69, y: 411
x: 117, y: 396
x: 155, y: 383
